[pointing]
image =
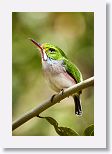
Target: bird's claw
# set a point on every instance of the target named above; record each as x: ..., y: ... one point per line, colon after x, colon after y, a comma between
x: 62, y: 90
x: 52, y: 97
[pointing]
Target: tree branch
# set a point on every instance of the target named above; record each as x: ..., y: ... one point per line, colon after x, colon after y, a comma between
x: 57, y: 98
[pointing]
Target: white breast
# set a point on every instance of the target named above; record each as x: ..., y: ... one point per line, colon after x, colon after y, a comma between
x: 56, y: 75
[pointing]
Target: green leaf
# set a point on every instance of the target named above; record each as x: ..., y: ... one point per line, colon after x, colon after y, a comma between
x: 52, y: 121
x: 62, y: 131
x: 89, y: 131
x: 92, y: 133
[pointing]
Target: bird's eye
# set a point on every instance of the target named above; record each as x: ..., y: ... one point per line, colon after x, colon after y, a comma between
x: 51, y: 49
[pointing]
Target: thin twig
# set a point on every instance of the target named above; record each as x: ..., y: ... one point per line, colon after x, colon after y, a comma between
x: 57, y: 98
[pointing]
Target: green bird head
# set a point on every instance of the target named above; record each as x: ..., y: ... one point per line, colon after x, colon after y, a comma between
x: 49, y: 50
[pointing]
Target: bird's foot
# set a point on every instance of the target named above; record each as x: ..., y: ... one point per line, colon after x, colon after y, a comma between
x: 52, y: 97
x: 62, y: 90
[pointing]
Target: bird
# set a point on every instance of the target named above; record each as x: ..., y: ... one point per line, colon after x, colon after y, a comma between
x: 59, y: 71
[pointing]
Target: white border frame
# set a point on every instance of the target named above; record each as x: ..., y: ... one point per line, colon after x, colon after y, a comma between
x: 99, y: 9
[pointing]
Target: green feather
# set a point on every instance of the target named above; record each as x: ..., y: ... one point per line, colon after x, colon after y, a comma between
x: 73, y: 71
x: 58, y: 54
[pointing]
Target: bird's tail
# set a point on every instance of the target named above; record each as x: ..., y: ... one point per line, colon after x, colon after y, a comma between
x: 78, y: 107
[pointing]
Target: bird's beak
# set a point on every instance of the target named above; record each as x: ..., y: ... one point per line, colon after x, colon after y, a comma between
x: 36, y: 43
x: 44, y: 56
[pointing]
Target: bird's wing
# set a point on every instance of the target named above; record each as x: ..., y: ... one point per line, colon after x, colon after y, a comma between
x: 72, y: 70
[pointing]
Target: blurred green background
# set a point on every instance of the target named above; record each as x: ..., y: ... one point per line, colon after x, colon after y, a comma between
x: 74, y: 34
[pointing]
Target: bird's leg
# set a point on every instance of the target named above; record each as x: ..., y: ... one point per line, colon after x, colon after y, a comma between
x: 62, y: 90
